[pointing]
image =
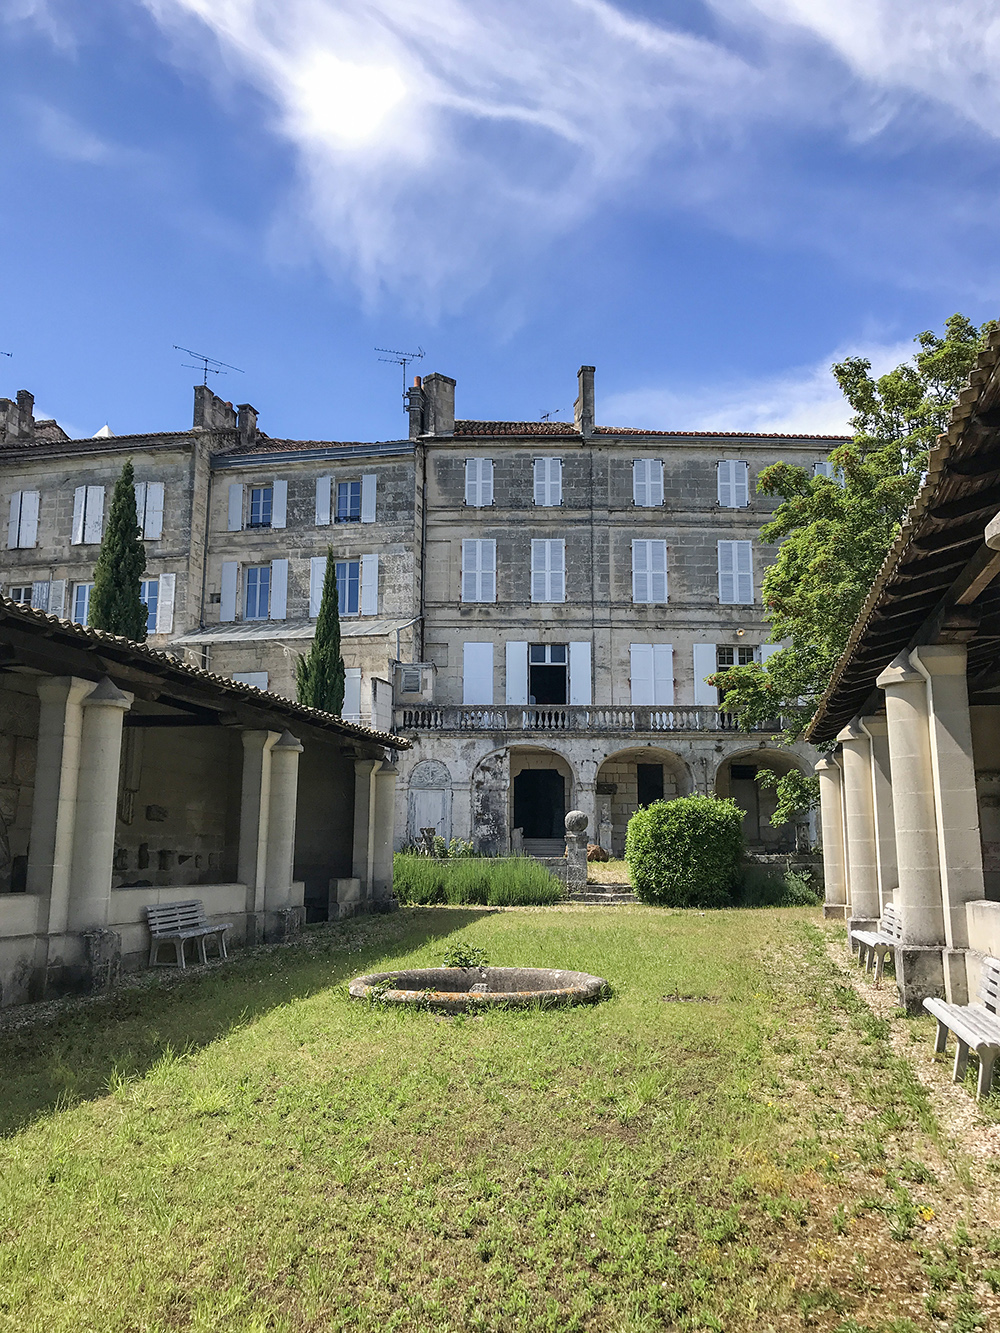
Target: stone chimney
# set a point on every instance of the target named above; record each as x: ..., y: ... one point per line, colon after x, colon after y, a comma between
x: 439, y: 409
x: 583, y: 408
x: 211, y: 412
x: 415, y: 407
x: 17, y: 420
x: 247, y: 425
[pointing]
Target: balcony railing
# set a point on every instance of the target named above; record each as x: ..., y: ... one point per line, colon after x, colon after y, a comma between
x: 564, y: 718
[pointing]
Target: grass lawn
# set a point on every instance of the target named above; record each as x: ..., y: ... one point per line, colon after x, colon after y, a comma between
x: 728, y: 1143
x: 614, y: 871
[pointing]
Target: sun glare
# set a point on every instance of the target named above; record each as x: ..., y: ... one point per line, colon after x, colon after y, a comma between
x: 349, y: 102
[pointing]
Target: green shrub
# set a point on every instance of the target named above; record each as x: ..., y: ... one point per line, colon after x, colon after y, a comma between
x: 467, y: 881
x: 417, y: 880
x: 764, y: 886
x: 686, y: 852
x: 502, y: 881
x: 518, y: 881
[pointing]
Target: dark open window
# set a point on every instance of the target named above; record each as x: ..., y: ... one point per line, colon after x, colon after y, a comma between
x: 649, y: 783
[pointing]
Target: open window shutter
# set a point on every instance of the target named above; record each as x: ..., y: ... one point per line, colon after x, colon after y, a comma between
x: 555, y: 481
x: 516, y: 662
x: 368, y: 498
x: 152, y: 529
x: 279, y: 589
x: 79, y: 508
x: 477, y: 673
x: 369, y: 585
x: 741, y: 485
x: 655, y: 482
x: 165, y: 604
x: 727, y: 572
x: 140, y: 506
x: 640, y: 481
x: 235, y: 506
x: 579, y: 673
x: 657, y: 571
x: 279, y: 504
x: 486, y: 481
x: 317, y: 573
x: 640, y: 571
x: 541, y: 481
x: 767, y: 650
x: 227, y: 609
x: 14, y: 522
x: 322, y: 502
x: 93, y: 522
x: 744, y: 572
x: 641, y: 672
x: 40, y: 596
x: 663, y: 674
x: 704, y: 665
x: 57, y: 597
x: 351, y: 711
x: 29, y: 518
x: 726, y: 485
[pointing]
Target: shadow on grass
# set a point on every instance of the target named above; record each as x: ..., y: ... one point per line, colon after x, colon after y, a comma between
x: 71, y: 1056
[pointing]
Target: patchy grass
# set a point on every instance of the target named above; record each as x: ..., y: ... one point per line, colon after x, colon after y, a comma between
x: 245, y: 1149
x: 614, y: 871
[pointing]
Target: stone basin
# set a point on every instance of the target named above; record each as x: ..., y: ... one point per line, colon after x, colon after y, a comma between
x: 455, y: 990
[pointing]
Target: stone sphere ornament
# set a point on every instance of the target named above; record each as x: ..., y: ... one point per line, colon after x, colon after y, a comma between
x: 576, y: 822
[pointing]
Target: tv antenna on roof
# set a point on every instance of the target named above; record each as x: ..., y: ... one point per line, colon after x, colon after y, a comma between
x: 402, y: 359
x: 547, y: 416
x: 6, y: 353
x: 209, y: 364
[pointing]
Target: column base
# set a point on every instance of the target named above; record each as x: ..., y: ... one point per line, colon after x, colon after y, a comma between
x: 283, y: 924
x: 919, y: 974
x: 835, y: 911
x: 956, y: 978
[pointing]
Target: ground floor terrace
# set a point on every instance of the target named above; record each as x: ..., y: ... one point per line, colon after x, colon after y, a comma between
x: 744, y: 1136
x: 510, y: 787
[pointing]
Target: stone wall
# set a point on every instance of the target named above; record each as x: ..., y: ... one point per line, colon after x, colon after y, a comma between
x: 18, y: 745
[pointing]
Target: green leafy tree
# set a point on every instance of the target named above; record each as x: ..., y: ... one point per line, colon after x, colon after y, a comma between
x: 115, y: 601
x: 320, y: 674
x: 834, y: 533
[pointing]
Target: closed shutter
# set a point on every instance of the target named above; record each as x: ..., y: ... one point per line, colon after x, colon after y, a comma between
x: 516, y: 663
x: 579, y: 673
x: 279, y: 589
x: 22, y: 529
x: 57, y: 597
x: 704, y: 665
x: 368, y: 498
x: 279, y: 504
x: 647, y: 481
x: 323, y: 502
x: 477, y: 673
x: 369, y: 585
x: 548, y: 570
x: 352, y: 695
x: 40, y: 596
x: 235, y: 506
x: 479, y: 561
x: 93, y: 522
x: 548, y: 481
x: 641, y: 672
x: 663, y: 674
x: 734, y: 484
x: 227, y: 609
x: 472, y: 490
x: 317, y: 574
x: 79, y: 509
x: 165, y: 604
x: 649, y: 571
x: 736, y: 573
x: 152, y: 527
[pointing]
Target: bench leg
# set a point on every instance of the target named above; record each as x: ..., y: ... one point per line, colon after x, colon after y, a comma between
x: 961, y: 1060
x: 986, y: 1059
x: 941, y: 1040
x: 202, y: 955
x: 222, y: 944
x: 880, y: 966
x: 179, y: 950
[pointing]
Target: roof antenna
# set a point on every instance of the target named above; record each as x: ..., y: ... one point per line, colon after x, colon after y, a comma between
x: 6, y: 353
x: 547, y: 416
x: 209, y: 364
x: 401, y: 359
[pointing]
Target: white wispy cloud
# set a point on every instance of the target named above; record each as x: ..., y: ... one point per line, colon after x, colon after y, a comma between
x: 802, y: 399
x: 63, y: 136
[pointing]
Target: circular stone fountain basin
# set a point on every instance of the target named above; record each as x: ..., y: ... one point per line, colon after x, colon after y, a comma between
x: 455, y: 990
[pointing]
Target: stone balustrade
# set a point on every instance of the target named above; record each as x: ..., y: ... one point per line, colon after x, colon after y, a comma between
x: 565, y: 718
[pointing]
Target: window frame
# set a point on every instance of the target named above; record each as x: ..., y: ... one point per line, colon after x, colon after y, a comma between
x: 479, y: 576
x: 650, y: 573
x: 21, y: 587
x: 266, y: 492
x: 350, y: 516
x: 736, y: 574
x: 651, y: 483
x: 546, y: 574
x: 343, y: 602
x: 87, y: 589
x: 549, y: 465
x: 151, y: 609
x: 263, y: 573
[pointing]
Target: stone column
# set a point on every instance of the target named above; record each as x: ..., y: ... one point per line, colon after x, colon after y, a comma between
x: 831, y: 798
x: 960, y: 852
x: 364, y: 823
x: 877, y: 730
x: 384, y: 824
x: 53, y: 814
x: 576, y: 850
x: 859, y: 808
x: 255, y: 802
x: 919, y: 966
x: 278, y: 872
x: 104, y: 710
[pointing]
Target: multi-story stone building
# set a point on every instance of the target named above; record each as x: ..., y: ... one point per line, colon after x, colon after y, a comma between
x: 535, y: 604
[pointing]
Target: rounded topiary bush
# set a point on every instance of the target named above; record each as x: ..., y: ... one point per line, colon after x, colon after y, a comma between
x: 686, y: 852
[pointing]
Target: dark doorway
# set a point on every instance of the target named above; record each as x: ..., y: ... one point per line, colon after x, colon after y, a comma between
x: 540, y: 803
x: 649, y: 783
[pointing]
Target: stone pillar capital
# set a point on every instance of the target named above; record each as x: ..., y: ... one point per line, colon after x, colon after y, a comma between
x: 827, y: 765
x: 63, y: 689
x: 106, y: 694
x: 875, y: 725
x: 363, y: 766
x: 254, y: 739
x: 852, y: 732
x: 900, y: 671
x: 288, y: 743
x: 940, y: 659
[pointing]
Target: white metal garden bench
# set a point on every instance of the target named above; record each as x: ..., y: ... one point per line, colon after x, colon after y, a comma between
x: 176, y: 923
x: 975, y: 1028
x: 874, y: 945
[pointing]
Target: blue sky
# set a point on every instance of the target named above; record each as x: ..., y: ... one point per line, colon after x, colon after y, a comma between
x: 709, y: 200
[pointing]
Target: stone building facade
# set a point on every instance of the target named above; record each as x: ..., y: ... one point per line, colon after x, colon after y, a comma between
x: 535, y: 605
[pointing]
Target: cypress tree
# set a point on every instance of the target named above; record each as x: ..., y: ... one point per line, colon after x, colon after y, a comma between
x: 115, y: 602
x: 320, y: 675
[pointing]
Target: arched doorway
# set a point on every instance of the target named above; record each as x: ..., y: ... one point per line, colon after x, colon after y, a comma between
x: 541, y: 792
x: 631, y: 778
x: 737, y: 777
x: 429, y: 800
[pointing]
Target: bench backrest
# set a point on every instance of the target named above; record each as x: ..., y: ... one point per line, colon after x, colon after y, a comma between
x: 164, y: 918
x: 892, y: 922
x: 989, y: 984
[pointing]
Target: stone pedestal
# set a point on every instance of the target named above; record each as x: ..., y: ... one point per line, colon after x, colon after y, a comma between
x: 576, y: 850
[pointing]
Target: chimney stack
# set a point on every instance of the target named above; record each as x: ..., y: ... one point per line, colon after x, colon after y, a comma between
x: 439, y: 395
x: 583, y: 408
x: 415, y: 408
x: 25, y: 414
x: 210, y: 412
x: 247, y: 424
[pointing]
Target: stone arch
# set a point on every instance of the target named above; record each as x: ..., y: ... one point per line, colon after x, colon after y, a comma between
x: 543, y: 788
x: 628, y: 778
x: 736, y: 777
x: 429, y: 800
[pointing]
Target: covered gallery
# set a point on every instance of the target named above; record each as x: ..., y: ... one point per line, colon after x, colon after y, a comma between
x: 129, y: 779
x: 911, y: 794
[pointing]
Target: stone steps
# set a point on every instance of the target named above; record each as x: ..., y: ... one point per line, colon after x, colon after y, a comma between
x: 603, y: 895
